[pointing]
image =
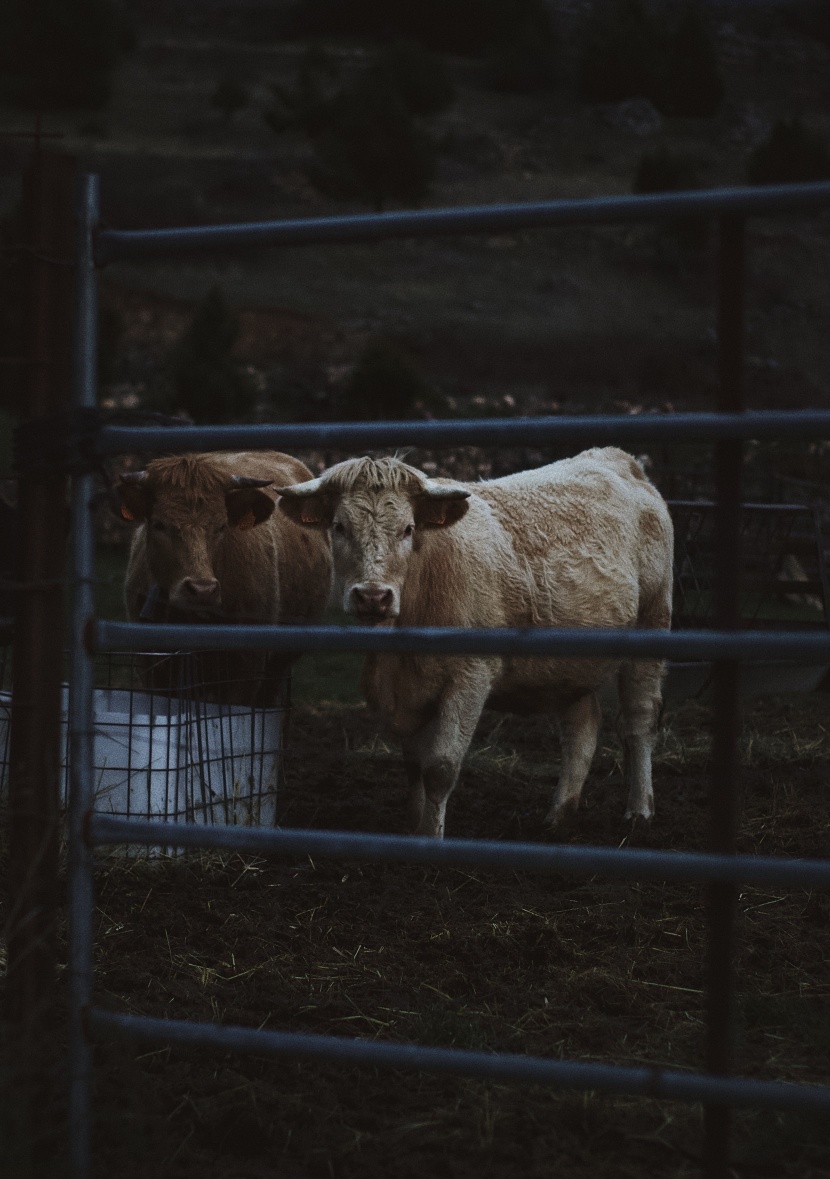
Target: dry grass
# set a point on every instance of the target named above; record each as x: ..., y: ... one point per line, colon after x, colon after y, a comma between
x: 592, y: 969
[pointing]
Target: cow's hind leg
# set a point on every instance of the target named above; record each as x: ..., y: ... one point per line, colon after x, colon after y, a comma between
x: 640, y: 704
x: 579, y: 727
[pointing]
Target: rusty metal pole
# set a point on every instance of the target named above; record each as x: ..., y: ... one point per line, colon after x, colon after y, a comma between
x: 722, y: 898
x: 34, y: 781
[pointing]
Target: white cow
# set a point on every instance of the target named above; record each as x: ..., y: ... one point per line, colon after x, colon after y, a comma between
x: 586, y: 542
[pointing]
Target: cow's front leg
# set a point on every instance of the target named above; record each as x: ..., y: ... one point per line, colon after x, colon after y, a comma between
x: 440, y: 748
x: 415, y: 781
x: 579, y: 728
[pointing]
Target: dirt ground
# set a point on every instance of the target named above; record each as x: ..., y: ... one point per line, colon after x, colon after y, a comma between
x: 587, y: 969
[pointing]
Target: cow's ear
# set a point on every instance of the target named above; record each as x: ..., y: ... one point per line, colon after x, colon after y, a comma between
x: 441, y: 505
x: 247, y: 507
x: 135, y: 496
x: 307, y: 504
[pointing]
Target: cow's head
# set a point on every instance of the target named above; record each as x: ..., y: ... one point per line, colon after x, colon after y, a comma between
x: 189, y: 506
x: 378, y: 511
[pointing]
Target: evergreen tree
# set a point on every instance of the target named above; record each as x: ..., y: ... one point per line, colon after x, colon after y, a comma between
x: 368, y: 144
x: 419, y: 76
x: 209, y: 383
x: 620, y: 53
x: 370, y: 147
x: 62, y: 53
x: 690, y: 84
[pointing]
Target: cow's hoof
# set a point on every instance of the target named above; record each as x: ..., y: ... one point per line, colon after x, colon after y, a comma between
x: 642, y: 816
x: 561, y: 818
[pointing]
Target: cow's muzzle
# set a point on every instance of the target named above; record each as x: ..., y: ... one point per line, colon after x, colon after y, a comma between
x: 197, y: 593
x: 372, y: 602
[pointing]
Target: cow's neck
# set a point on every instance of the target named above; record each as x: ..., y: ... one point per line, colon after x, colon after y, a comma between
x: 433, y: 591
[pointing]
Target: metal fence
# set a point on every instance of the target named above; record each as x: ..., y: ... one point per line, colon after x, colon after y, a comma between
x: 725, y: 645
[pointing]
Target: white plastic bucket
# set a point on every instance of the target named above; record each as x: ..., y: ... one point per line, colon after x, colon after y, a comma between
x: 175, y: 758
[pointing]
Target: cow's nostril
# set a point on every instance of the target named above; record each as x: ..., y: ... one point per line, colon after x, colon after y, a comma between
x: 202, y: 589
x: 373, y: 597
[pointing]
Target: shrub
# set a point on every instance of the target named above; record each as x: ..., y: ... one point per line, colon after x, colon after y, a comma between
x: 790, y: 154
x: 230, y: 96
x: 386, y: 384
x: 371, y: 147
x: 419, y: 76
x: 208, y: 382
x: 526, y: 62
x: 367, y: 142
x: 62, y: 53
x: 689, y: 84
x: 666, y: 171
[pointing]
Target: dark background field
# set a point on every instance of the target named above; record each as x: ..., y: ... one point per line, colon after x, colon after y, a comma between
x: 586, y: 319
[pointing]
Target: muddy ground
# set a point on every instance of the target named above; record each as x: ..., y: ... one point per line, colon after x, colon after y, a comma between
x: 589, y: 969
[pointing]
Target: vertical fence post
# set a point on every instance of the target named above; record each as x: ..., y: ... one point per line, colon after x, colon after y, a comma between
x: 81, y: 705
x: 721, y: 898
x: 34, y: 779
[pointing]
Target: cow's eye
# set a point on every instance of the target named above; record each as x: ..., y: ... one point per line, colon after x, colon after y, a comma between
x: 407, y: 532
x: 158, y: 526
x: 339, y: 528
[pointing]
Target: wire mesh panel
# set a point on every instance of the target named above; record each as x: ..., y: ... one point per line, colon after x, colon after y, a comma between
x: 781, y: 554
x: 171, y: 744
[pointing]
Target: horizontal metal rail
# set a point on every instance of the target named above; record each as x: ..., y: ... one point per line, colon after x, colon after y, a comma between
x: 812, y: 647
x: 711, y: 504
x: 603, y: 430
x: 641, y: 1080
x: 113, y: 245
x: 726, y: 870
x: 617, y: 863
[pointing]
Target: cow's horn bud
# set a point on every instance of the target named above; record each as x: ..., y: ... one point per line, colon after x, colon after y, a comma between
x: 247, y: 481
x: 134, y: 477
x: 300, y: 490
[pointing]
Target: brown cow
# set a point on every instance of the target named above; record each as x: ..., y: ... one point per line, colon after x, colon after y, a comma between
x: 582, y: 542
x: 211, y: 547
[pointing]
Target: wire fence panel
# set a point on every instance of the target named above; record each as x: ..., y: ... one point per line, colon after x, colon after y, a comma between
x: 725, y: 645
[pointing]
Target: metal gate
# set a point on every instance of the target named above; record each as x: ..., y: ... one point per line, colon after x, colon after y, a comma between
x: 726, y: 645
